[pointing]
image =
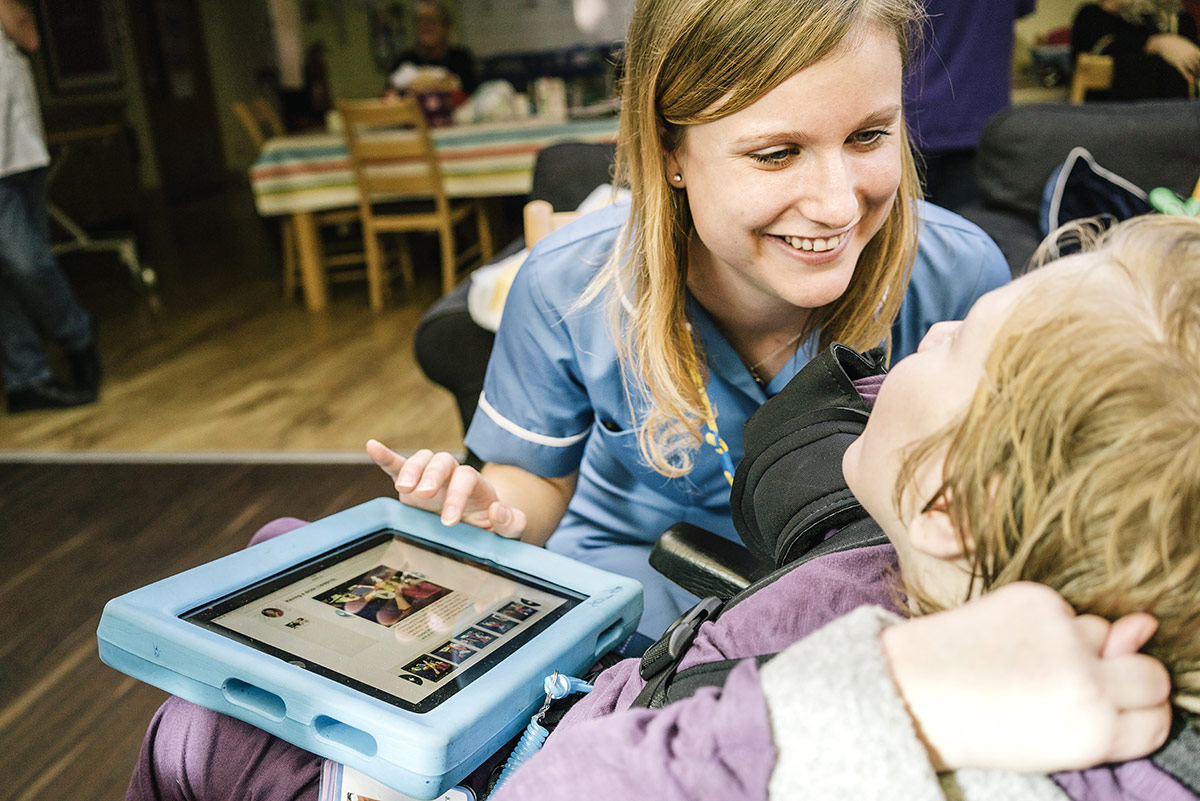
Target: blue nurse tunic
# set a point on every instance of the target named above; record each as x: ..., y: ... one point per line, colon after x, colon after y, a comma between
x: 553, y: 400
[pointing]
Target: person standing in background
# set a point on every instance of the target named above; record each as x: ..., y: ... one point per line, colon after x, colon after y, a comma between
x: 35, y: 298
x: 433, y: 45
x: 963, y: 76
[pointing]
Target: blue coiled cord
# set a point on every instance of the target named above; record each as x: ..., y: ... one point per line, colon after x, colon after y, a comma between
x: 557, y: 686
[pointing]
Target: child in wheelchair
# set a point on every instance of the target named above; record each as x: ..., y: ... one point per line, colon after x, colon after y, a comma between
x: 1052, y: 437
x: 1047, y: 448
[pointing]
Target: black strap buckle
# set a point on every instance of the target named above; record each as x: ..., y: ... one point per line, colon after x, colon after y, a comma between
x: 669, y: 649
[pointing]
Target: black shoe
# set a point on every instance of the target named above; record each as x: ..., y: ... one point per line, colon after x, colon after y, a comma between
x: 45, y: 396
x: 85, y: 369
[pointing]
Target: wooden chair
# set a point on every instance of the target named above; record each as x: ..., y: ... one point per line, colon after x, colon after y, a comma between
x: 1091, y: 72
x: 393, y: 159
x: 259, y: 118
x: 541, y: 218
x: 260, y: 121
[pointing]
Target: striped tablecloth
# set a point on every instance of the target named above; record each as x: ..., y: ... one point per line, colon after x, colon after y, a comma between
x: 311, y: 172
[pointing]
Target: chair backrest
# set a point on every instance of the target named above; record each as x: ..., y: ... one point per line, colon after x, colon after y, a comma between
x: 565, y: 173
x: 390, y: 150
x: 259, y: 118
x: 267, y: 116
x: 1092, y: 71
x: 541, y: 219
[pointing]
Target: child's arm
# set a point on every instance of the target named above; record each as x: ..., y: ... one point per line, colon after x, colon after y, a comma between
x: 1063, y: 691
x: 807, y: 718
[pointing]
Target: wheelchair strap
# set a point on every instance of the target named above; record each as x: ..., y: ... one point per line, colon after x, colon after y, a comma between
x: 661, y: 660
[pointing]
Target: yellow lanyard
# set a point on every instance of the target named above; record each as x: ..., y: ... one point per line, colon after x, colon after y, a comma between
x: 713, y: 436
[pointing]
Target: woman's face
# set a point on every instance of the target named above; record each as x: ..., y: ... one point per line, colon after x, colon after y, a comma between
x: 786, y: 193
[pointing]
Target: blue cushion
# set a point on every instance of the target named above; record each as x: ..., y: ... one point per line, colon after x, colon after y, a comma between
x: 1080, y: 188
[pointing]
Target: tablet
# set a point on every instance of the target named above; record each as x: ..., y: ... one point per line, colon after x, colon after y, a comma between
x: 376, y: 637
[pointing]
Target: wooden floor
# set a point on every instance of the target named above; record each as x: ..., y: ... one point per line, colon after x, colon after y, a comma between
x: 228, y: 365
x: 75, y: 535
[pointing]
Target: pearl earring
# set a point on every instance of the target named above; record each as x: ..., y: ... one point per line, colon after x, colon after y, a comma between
x: 677, y: 177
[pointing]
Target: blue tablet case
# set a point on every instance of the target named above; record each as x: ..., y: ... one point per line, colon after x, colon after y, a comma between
x: 421, y: 754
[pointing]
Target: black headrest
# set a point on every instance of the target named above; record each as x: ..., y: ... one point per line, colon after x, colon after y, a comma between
x: 1180, y: 755
x: 788, y: 491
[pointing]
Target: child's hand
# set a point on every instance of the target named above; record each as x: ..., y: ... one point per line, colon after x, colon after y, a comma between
x: 438, y: 483
x: 1016, y: 680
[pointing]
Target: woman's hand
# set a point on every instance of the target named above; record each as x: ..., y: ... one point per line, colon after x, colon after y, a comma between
x: 1180, y: 53
x: 1016, y: 680
x: 438, y: 483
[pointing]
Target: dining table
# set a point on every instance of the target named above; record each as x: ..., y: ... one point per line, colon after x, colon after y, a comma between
x: 304, y: 173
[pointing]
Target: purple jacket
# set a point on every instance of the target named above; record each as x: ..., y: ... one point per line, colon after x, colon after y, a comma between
x: 717, y: 744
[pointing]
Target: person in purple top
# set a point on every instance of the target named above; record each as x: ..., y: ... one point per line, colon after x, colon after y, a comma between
x: 962, y: 77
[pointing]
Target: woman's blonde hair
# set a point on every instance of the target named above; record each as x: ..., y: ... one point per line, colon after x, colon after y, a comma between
x: 1086, y: 433
x: 693, y: 61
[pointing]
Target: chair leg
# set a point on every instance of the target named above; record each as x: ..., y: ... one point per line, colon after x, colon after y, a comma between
x: 290, y: 265
x: 449, y: 268
x: 484, y: 223
x: 406, y: 262
x: 374, y: 268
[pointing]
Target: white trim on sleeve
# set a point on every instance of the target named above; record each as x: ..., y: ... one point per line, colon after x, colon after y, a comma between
x: 528, y: 436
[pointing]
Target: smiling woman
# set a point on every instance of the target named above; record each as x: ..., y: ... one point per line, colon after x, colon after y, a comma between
x: 786, y: 194
x: 774, y: 210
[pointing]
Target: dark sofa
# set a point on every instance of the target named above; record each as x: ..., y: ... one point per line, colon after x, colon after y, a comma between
x: 1151, y: 143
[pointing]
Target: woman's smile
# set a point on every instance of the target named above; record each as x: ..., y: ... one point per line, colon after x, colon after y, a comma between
x: 814, y: 250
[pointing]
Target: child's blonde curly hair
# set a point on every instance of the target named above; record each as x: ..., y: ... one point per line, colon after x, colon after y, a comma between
x: 1077, y: 463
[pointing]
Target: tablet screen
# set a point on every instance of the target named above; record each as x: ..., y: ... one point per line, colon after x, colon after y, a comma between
x: 402, y: 620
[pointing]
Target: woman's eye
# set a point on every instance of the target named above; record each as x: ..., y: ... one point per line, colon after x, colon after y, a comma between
x: 775, y: 157
x: 868, y: 138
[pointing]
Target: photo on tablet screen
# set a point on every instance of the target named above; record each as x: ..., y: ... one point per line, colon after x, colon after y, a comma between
x: 519, y: 611
x: 384, y: 595
x: 454, y: 652
x: 401, y: 619
x: 431, y: 668
x: 500, y: 625
x: 476, y: 638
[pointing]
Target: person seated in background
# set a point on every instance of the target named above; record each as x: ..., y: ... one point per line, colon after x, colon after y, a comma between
x: 1051, y: 437
x: 433, y: 48
x: 1153, y: 44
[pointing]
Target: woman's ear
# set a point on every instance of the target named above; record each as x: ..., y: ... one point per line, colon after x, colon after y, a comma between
x: 932, y: 532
